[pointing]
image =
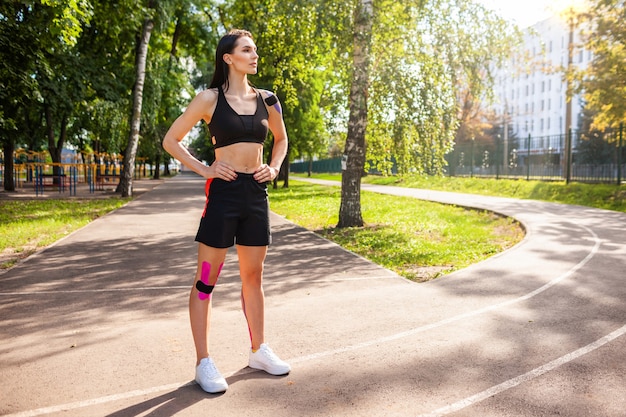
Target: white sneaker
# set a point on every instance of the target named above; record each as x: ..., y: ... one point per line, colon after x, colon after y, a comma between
x: 209, y: 378
x: 266, y: 360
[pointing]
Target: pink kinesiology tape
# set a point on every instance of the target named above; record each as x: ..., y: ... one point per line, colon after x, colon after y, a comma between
x: 203, y: 286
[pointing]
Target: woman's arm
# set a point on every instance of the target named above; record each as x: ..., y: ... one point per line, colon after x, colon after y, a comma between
x: 200, y: 108
x: 276, y: 125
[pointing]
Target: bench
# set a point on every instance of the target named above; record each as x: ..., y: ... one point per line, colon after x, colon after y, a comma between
x: 104, y: 179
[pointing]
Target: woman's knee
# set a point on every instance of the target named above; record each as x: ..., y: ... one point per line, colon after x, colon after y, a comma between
x: 252, y: 276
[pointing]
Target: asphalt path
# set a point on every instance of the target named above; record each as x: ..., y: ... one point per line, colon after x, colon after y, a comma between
x: 97, y: 324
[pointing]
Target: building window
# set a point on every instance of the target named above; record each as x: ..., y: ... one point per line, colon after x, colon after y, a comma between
x: 549, y: 103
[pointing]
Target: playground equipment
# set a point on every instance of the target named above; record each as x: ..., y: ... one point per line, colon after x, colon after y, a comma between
x: 96, y: 171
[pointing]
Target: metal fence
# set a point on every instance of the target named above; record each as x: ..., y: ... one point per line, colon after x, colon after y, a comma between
x: 591, y: 157
x: 30, y: 169
x: 319, y: 166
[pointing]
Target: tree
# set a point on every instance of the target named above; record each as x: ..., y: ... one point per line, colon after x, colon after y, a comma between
x: 604, y: 82
x: 354, y: 154
x: 63, y: 89
x: 107, y: 62
x: 32, y: 34
x: 126, y: 182
x: 170, y: 80
x: 427, y: 57
x: 471, y: 52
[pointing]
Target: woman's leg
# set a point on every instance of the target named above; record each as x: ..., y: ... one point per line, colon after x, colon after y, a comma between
x: 210, y: 261
x: 251, y: 259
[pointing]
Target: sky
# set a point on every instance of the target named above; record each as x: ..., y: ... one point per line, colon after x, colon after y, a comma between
x: 528, y: 12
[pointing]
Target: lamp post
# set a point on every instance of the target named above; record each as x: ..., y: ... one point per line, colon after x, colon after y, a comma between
x: 505, y: 135
x: 567, y: 154
x: 570, y: 12
x: 472, y: 167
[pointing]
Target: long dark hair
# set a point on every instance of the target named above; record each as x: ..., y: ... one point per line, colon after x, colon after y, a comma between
x: 225, y: 46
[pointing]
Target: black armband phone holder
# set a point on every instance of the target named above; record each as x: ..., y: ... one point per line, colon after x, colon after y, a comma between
x: 271, y: 100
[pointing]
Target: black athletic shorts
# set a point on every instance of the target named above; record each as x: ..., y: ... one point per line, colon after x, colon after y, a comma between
x: 235, y: 212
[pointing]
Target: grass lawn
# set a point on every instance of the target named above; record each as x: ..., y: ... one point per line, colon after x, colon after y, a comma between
x: 29, y: 225
x: 419, y: 240
x: 604, y: 196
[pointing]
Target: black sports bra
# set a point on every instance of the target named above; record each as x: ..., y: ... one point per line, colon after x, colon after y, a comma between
x: 228, y: 127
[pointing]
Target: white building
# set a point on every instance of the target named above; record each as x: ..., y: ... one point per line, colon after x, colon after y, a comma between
x: 531, y: 92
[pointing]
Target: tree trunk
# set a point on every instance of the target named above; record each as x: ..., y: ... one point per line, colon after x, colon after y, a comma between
x: 9, y: 154
x: 157, y: 164
x: 285, y: 169
x: 126, y: 182
x: 353, y: 161
x: 55, y: 147
x: 178, y: 30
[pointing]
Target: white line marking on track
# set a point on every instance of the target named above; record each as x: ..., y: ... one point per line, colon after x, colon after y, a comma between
x: 96, y: 401
x: 499, y: 388
x: 511, y: 383
x: 453, y: 319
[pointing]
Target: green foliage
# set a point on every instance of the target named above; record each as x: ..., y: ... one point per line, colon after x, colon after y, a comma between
x: 69, y: 18
x: 429, y: 57
x: 604, y: 81
x: 68, y: 67
x: 29, y: 34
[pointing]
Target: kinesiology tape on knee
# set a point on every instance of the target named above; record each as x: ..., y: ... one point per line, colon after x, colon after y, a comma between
x: 203, y: 286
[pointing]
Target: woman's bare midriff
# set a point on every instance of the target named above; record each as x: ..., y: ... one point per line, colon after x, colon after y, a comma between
x: 244, y: 157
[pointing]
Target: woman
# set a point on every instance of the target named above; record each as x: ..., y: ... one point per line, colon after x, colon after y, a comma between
x: 236, y: 210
